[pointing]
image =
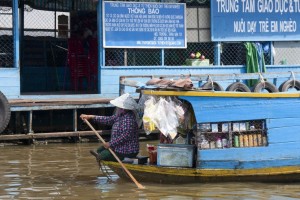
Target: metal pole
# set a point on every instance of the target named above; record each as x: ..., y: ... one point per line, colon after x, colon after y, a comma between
x: 16, y: 35
x: 30, y: 122
x: 125, y: 57
x: 217, y: 53
x: 101, y: 54
x: 162, y: 57
x: 75, y: 120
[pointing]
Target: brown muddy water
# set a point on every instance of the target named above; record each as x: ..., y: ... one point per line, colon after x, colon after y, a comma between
x: 68, y: 171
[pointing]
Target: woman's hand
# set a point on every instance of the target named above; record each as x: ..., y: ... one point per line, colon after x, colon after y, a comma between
x: 106, y: 145
x: 87, y: 117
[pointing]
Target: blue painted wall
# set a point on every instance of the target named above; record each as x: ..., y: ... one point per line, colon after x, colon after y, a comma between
x: 10, y: 82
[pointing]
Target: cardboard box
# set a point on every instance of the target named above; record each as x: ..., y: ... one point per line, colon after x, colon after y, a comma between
x: 197, y: 62
x: 175, y: 155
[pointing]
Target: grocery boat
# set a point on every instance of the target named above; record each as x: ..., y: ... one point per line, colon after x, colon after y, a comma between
x: 271, y: 120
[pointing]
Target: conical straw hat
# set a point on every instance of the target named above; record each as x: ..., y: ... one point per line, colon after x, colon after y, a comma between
x: 125, y: 101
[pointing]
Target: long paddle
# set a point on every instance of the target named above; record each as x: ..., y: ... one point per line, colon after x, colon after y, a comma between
x: 140, y: 186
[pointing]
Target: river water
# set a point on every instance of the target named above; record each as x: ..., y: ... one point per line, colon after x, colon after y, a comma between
x: 68, y: 171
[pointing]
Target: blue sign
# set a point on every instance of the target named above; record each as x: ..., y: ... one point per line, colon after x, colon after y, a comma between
x: 255, y: 20
x: 143, y: 25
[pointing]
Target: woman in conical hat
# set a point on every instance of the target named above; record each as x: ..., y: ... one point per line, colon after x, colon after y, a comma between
x: 124, y: 134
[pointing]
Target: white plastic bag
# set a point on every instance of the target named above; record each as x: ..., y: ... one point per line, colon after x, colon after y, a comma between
x: 165, y: 118
x: 149, y: 110
x: 165, y: 114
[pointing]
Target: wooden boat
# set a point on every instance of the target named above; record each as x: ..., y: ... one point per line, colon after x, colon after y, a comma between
x: 177, y: 175
x: 275, y: 156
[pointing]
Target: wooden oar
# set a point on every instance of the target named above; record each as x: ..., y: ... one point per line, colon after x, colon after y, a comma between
x: 140, y: 186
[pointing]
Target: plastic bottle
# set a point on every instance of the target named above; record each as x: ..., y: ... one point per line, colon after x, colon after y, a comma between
x: 212, y: 144
x: 224, y: 143
x: 241, y: 140
x: 219, y: 143
x: 204, y: 143
x: 259, y: 140
x: 236, y: 141
x: 250, y: 140
x: 255, y: 144
x: 246, y: 142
